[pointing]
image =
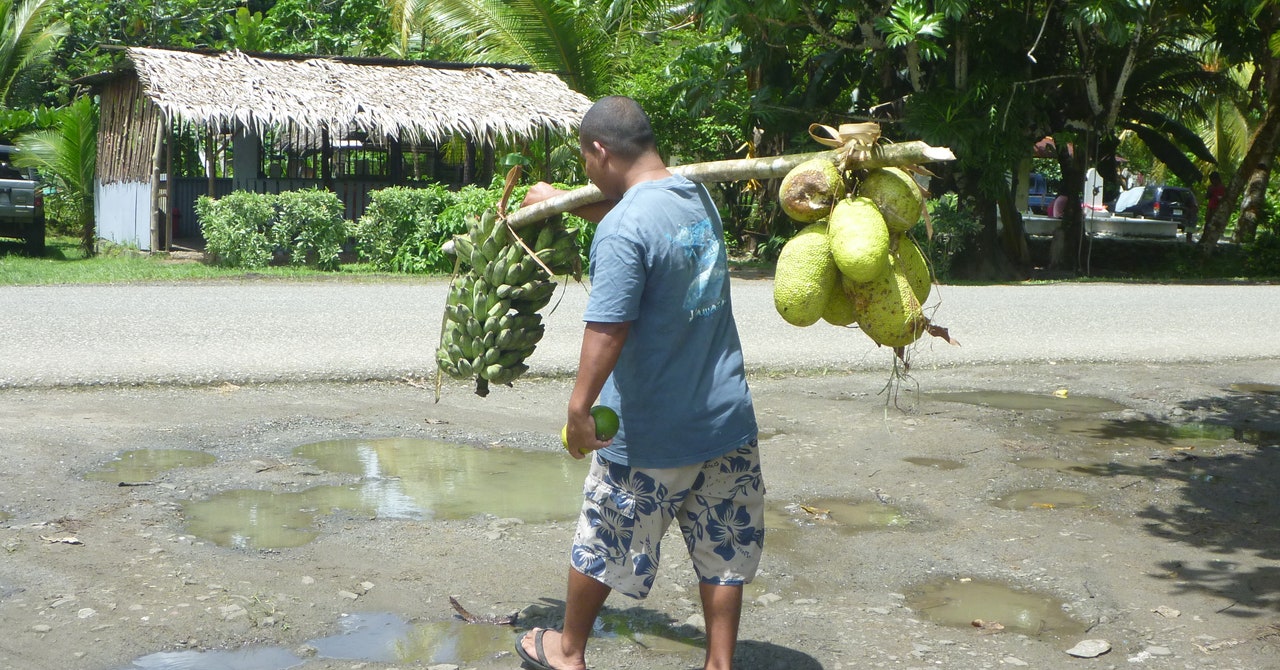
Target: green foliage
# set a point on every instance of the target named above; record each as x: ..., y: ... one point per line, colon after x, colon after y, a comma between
x: 404, y: 229
x: 1262, y: 256
x: 396, y: 230
x: 29, y: 33
x: 954, y: 229
x: 66, y: 156
x: 247, y: 31
x: 310, y: 226
x: 14, y: 122
x: 246, y: 230
x: 236, y: 228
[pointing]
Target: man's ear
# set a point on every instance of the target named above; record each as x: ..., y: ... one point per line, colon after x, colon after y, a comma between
x: 599, y: 149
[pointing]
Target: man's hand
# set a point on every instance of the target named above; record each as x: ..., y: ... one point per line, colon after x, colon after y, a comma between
x: 539, y: 192
x: 543, y: 191
x: 582, y: 436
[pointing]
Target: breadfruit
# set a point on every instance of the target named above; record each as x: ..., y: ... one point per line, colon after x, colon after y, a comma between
x: 840, y: 310
x: 859, y: 239
x: 888, y: 311
x: 915, y: 267
x: 810, y: 189
x: 896, y: 195
x: 805, y: 276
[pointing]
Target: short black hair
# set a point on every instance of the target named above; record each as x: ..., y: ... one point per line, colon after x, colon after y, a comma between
x: 620, y: 125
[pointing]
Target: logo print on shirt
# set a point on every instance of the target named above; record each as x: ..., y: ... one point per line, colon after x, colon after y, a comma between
x: 701, y: 244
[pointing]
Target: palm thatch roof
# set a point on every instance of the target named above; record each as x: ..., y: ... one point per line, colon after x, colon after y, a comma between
x: 405, y: 100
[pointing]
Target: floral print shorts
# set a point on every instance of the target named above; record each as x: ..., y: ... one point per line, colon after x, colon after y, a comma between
x: 719, y: 505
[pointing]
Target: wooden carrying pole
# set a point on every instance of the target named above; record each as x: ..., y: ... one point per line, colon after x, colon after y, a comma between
x: 885, y: 155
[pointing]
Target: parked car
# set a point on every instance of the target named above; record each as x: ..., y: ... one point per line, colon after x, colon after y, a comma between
x: 1166, y: 203
x: 1038, y: 196
x: 21, y: 203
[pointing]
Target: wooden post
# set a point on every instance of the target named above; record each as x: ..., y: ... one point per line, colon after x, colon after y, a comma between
x: 157, y: 216
x: 212, y: 168
x: 395, y: 155
x: 326, y: 157
x: 546, y: 154
x: 169, y: 203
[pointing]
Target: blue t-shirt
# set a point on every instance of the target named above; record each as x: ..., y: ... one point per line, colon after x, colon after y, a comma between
x: 679, y: 387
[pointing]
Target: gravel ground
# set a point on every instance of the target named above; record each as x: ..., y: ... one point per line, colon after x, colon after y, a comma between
x: 1166, y: 443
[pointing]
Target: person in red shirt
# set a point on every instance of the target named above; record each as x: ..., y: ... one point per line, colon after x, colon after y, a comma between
x: 1214, y: 195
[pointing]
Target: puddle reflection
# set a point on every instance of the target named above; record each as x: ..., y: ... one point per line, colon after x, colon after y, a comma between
x: 1042, y: 499
x: 952, y: 602
x: 401, y: 479
x: 935, y: 463
x: 143, y: 465
x: 367, y: 637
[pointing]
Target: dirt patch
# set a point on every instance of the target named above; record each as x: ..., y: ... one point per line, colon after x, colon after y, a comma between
x: 1172, y: 558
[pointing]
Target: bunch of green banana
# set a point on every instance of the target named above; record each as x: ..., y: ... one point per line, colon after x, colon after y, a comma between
x: 491, y: 321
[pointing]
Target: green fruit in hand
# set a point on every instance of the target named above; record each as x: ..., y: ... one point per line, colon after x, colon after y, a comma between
x: 606, y: 422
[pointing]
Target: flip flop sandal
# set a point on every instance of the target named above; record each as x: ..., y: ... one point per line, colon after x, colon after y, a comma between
x: 539, y: 663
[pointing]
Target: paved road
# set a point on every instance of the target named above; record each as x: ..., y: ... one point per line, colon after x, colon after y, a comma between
x: 268, y: 330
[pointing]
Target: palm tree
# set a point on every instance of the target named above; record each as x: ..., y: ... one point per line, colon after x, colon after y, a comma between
x: 577, y: 40
x: 27, y: 35
x: 68, y: 154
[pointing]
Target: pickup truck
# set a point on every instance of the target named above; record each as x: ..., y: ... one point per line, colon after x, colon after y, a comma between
x: 1038, y: 196
x: 21, y: 204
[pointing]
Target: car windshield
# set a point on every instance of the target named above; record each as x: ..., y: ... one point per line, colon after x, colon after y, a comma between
x: 1176, y: 197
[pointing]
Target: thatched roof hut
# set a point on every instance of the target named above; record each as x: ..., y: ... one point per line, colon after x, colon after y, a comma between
x: 309, y: 107
x: 406, y: 100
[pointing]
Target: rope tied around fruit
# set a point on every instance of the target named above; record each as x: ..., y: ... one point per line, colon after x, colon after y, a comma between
x: 853, y: 141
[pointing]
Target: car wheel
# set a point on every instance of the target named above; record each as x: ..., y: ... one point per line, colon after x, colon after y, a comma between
x: 35, y: 237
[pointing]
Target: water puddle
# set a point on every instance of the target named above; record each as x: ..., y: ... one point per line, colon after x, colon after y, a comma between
x: 370, y: 638
x: 763, y: 435
x: 248, y: 519
x: 4, y: 516
x: 1159, y: 435
x: 841, y: 514
x: 1042, y: 499
x: 449, y: 481
x: 936, y: 463
x: 1057, y: 465
x: 953, y: 602
x: 1264, y: 389
x: 1029, y: 402
x: 143, y: 465
x: 662, y: 636
x: 400, y: 479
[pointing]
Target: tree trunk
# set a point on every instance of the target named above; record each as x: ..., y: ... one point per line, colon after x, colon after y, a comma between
x: 1067, y: 253
x: 1013, y: 235
x: 1261, y: 146
x: 1251, y: 208
x: 88, y: 231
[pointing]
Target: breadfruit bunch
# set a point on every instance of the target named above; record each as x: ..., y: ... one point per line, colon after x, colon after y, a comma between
x: 854, y: 261
x: 491, y: 321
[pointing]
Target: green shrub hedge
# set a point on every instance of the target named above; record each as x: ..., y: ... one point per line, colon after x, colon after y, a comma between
x: 245, y: 229
x: 404, y: 229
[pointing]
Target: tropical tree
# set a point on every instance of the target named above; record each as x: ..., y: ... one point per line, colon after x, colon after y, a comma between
x: 29, y: 32
x: 585, y: 42
x: 1248, y: 31
x: 68, y: 155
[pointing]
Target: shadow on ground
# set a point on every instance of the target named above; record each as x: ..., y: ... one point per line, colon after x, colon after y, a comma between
x: 1231, y: 503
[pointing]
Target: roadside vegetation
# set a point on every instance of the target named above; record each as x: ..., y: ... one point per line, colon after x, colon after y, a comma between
x: 1173, y: 91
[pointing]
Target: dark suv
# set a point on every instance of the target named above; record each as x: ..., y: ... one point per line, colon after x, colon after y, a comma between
x: 1167, y: 203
